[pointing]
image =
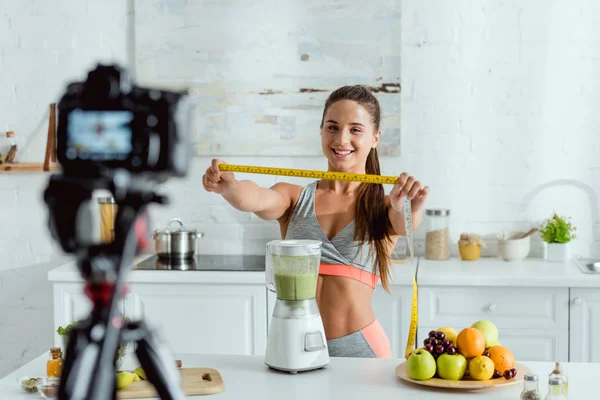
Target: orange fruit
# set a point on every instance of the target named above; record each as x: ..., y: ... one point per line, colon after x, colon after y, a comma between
x: 481, y: 368
x: 470, y: 342
x: 502, y: 357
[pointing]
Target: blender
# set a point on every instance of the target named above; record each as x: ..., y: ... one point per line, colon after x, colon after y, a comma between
x: 296, y: 339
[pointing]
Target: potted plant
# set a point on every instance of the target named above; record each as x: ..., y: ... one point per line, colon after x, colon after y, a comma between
x: 557, y: 232
x: 122, y: 350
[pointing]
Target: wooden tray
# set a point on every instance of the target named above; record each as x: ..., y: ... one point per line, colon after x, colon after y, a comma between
x: 195, y: 382
x: 466, y: 384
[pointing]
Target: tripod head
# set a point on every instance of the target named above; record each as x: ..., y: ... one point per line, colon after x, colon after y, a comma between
x: 115, y: 136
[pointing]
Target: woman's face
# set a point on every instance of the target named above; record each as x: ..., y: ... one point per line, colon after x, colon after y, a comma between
x: 347, y: 136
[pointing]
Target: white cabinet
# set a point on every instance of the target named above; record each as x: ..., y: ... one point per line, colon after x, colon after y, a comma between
x: 191, y: 318
x: 204, y: 318
x: 585, y: 325
x: 393, y: 313
x: 70, y: 304
x: 532, y: 322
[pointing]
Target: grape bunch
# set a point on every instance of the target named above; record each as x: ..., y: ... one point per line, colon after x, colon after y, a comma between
x: 437, y: 344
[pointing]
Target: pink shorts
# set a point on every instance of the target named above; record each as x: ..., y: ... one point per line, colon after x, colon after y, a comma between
x: 369, y: 342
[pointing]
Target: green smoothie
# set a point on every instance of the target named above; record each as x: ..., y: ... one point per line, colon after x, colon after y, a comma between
x: 295, y: 287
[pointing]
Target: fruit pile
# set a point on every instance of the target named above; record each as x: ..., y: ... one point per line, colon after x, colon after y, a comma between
x: 126, y: 378
x: 473, y: 353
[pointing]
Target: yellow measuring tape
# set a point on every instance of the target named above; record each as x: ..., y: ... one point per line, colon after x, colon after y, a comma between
x: 345, y: 176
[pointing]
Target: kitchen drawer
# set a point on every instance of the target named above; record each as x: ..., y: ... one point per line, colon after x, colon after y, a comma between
x: 508, y: 308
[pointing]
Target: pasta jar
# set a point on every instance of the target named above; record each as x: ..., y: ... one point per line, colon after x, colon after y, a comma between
x: 437, y: 238
x: 108, y: 212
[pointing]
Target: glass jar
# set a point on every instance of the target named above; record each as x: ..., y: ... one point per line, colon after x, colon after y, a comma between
x: 530, y: 388
x: 558, y: 372
x: 437, y: 237
x: 55, y: 364
x: 12, y: 152
x: 108, y: 212
x: 556, y: 389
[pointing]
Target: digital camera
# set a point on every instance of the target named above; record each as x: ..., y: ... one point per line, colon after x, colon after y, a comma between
x: 107, y: 123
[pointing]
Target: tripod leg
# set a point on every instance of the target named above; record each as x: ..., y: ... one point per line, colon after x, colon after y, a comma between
x: 80, y: 370
x: 158, y: 364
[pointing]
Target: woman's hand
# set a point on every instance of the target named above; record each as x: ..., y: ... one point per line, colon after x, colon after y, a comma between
x: 410, y: 187
x: 215, y: 180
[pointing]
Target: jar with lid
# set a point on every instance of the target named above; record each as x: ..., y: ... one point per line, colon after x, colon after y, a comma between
x: 530, y: 388
x: 556, y: 389
x: 437, y: 237
x: 108, y: 212
x: 558, y: 372
x: 12, y: 152
x: 55, y: 364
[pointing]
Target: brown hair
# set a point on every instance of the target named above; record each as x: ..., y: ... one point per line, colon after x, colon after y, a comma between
x: 372, y: 221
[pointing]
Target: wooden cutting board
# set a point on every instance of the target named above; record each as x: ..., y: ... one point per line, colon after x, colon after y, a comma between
x: 195, y: 382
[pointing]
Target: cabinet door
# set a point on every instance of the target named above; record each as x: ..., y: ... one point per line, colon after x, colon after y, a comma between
x: 393, y: 313
x: 536, y: 308
x: 204, y: 319
x: 70, y: 304
x: 585, y: 325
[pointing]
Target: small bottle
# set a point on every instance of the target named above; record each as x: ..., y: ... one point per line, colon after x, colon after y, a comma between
x: 558, y: 372
x: 530, y: 388
x: 10, y: 156
x: 555, y: 389
x: 55, y: 364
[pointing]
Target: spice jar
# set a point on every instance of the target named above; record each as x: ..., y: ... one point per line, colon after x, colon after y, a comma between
x: 108, y: 212
x: 437, y: 239
x: 469, y: 246
x: 530, y: 388
x: 558, y: 372
x: 55, y: 364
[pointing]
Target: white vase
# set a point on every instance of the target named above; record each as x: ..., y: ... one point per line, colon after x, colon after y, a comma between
x: 557, y: 251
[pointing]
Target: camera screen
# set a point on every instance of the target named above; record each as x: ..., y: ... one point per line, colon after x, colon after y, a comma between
x: 99, y: 135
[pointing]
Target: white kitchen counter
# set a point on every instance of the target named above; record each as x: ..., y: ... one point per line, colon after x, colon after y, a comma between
x: 68, y: 273
x: 494, y: 271
x: 246, y: 377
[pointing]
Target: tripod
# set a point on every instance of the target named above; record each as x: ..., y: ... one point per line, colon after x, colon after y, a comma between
x: 90, y: 371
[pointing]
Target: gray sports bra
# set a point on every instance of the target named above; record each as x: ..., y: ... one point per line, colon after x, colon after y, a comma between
x: 342, y: 249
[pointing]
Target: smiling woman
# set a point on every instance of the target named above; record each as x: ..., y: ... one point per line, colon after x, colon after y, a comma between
x: 357, y: 224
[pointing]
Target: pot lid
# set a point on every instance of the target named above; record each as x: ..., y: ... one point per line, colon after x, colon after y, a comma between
x: 177, y: 230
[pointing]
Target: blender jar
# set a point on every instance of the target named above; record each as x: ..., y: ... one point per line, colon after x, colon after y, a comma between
x: 292, y: 268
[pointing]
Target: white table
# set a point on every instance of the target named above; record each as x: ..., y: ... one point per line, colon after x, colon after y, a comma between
x: 246, y: 377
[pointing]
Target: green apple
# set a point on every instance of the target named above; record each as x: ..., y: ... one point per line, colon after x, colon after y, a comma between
x: 421, y: 365
x: 489, y: 331
x: 451, y: 367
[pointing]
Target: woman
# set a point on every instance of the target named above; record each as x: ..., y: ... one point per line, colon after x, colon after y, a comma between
x: 357, y: 223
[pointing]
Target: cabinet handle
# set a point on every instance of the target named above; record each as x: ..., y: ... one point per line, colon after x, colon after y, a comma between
x: 577, y: 300
x: 491, y: 307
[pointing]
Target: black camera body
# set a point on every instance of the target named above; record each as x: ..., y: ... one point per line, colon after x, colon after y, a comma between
x: 107, y: 123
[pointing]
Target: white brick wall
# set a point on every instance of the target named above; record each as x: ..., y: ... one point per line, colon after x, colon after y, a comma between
x: 499, y: 98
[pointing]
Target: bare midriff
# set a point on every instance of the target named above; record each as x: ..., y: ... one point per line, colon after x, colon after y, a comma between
x: 344, y: 304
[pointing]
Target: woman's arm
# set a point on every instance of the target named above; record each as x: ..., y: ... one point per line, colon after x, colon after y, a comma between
x: 411, y: 188
x: 397, y: 221
x: 269, y: 204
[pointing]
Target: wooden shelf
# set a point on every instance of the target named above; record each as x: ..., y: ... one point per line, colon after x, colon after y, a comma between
x: 27, y: 167
x: 49, y: 163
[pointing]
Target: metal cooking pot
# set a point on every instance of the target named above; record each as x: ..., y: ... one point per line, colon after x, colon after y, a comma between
x: 176, y: 243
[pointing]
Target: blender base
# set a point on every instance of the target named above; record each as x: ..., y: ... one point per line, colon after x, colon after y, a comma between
x: 297, y: 345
